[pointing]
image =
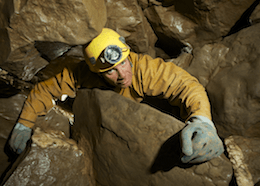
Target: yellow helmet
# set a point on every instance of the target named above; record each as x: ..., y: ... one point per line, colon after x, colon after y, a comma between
x: 106, y: 51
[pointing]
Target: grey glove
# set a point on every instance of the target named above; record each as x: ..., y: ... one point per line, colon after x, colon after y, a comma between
x: 20, y: 135
x: 200, y: 141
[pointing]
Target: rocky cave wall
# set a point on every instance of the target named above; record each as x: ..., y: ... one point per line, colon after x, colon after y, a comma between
x: 216, y: 41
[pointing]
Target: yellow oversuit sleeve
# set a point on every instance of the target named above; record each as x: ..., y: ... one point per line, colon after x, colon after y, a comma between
x: 155, y: 77
x: 42, y: 96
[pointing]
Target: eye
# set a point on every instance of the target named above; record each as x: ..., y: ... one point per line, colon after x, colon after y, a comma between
x: 110, y: 71
x: 123, y: 63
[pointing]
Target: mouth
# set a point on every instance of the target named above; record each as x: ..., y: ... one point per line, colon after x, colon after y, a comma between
x: 122, y: 83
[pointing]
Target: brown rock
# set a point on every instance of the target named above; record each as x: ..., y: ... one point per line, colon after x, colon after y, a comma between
x: 4, y: 45
x: 24, y: 62
x: 207, y: 61
x: 126, y: 17
x: 52, y: 160
x: 255, y: 16
x: 196, y: 22
x: 71, y: 22
x: 9, y: 111
x: 234, y: 90
x: 171, y: 27
x: 55, y: 122
x: 244, y: 155
x: 6, y: 9
x: 134, y: 144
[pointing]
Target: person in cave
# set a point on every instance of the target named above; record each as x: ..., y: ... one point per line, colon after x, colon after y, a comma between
x: 110, y: 65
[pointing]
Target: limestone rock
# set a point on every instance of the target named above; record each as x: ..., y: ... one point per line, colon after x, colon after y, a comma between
x: 10, y: 108
x: 234, y: 90
x: 72, y: 22
x: 171, y: 27
x: 51, y: 50
x: 135, y: 144
x: 195, y: 22
x: 52, y: 160
x: 207, y: 61
x: 24, y: 62
x: 244, y: 155
x: 126, y: 17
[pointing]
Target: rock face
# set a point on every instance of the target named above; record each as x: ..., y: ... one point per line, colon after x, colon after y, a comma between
x: 194, y: 23
x: 72, y: 22
x: 127, y: 18
x: 52, y: 160
x: 134, y: 144
x: 236, y: 100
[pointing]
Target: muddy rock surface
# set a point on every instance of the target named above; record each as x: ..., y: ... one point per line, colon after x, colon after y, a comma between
x: 135, y: 144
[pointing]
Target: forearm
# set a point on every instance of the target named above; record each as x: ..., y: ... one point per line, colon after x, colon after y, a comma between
x: 42, y: 97
x: 165, y: 79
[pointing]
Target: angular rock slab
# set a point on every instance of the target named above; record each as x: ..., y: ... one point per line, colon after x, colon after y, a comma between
x: 196, y: 22
x: 135, y: 144
x: 72, y: 21
x: 24, y: 62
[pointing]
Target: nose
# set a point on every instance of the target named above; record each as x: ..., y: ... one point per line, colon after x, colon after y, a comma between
x: 121, y: 73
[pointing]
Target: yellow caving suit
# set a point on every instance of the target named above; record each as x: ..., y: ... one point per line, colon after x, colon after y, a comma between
x: 151, y: 77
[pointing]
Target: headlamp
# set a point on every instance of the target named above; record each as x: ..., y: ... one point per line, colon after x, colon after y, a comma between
x: 112, y: 54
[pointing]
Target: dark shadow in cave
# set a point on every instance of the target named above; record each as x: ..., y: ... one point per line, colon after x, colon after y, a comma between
x: 14, y: 159
x: 51, y: 50
x: 170, y: 46
x: 243, y: 22
x: 169, y: 156
x: 7, y: 90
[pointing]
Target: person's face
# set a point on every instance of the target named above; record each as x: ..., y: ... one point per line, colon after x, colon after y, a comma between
x: 119, y: 76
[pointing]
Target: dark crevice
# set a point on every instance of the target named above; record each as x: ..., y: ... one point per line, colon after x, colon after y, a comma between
x: 170, y: 46
x: 244, y: 20
x: 117, y: 136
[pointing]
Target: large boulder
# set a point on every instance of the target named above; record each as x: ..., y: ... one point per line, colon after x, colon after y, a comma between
x: 207, y: 61
x: 234, y: 87
x: 126, y: 17
x: 72, y: 21
x: 52, y: 159
x: 11, y: 103
x: 194, y: 23
x: 135, y: 144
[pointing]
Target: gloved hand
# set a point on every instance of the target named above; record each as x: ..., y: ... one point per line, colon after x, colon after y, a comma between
x: 20, y: 135
x: 200, y: 141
